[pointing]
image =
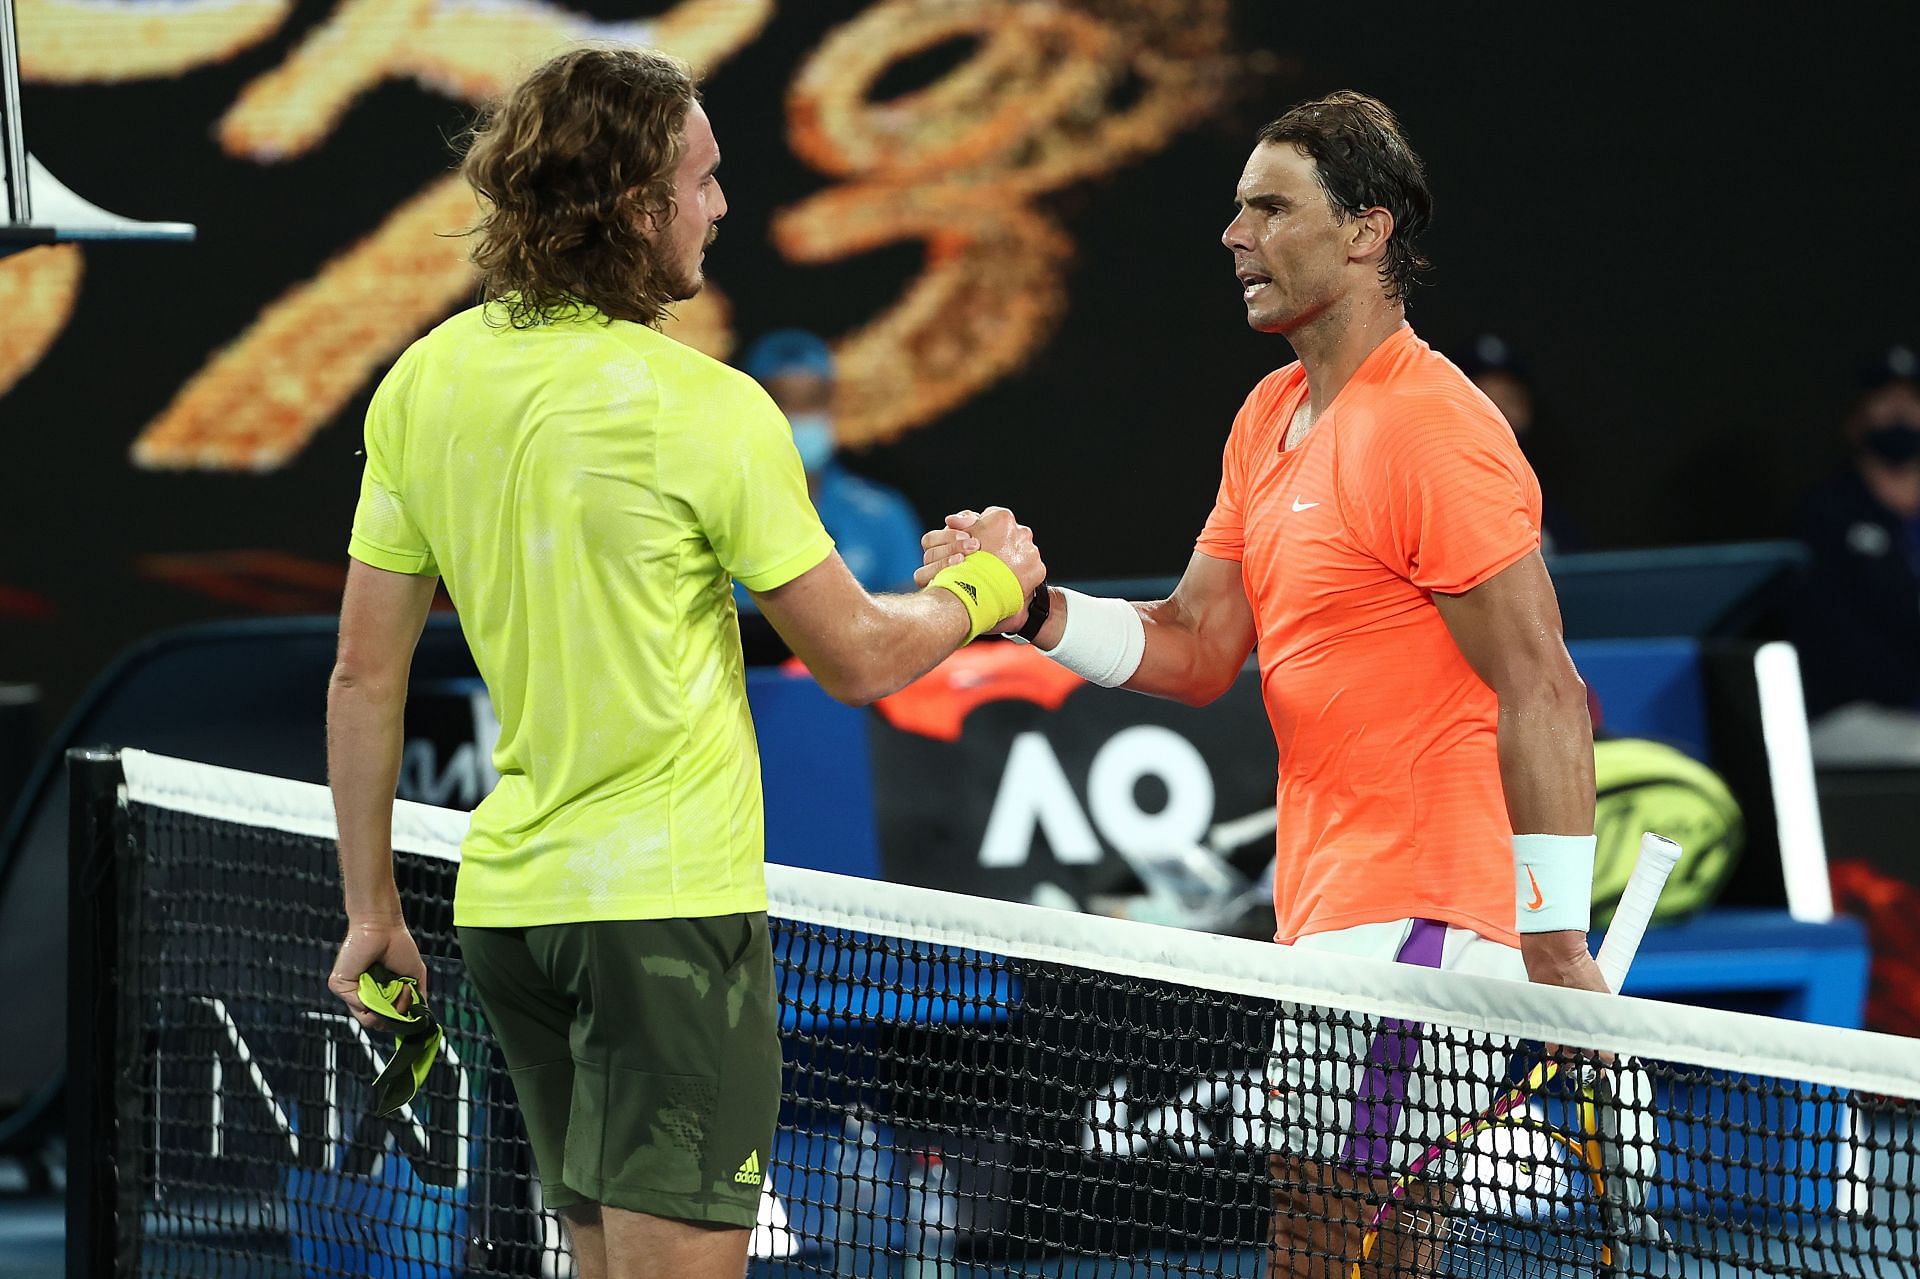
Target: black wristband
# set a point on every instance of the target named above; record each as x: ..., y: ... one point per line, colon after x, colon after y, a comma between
x: 1039, y: 608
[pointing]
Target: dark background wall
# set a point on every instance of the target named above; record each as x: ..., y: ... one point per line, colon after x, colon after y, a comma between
x: 1694, y: 221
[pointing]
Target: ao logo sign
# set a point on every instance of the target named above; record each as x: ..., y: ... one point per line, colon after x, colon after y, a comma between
x: 1035, y: 796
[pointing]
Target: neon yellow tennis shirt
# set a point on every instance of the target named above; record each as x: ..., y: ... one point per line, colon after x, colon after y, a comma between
x: 588, y: 490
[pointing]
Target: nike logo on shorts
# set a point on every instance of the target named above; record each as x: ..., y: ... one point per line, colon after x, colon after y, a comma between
x: 1299, y: 506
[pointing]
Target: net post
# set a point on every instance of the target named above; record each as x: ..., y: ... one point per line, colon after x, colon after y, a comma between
x: 93, y: 961
x: 13, y: 137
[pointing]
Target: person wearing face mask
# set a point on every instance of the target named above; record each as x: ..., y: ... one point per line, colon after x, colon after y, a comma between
x: 1858, y: 627
x: 876, y: 529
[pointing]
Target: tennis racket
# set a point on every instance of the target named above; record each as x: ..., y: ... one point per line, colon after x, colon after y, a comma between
x: 1535, y: 1197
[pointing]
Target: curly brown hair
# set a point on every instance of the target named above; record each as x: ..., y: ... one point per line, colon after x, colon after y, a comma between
x: 1364, y: 162
x: 570, y: 167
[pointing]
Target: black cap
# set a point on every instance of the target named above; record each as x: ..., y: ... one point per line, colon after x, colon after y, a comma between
x: 1899, y: 363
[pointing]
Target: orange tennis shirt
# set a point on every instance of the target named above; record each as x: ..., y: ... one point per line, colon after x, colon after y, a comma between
x: 1411, y: 484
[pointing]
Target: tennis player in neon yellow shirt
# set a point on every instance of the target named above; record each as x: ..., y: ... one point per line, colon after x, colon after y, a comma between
x: 589, y: 489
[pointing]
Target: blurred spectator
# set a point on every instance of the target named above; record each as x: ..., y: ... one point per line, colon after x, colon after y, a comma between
x: 1502, y: 377
x: 1859, y: 624
x: 874, y: 527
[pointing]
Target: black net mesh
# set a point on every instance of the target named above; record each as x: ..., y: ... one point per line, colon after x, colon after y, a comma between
x: 955, y: 1112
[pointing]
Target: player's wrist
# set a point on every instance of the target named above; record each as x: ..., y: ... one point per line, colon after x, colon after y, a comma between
x: 1100, y: 640
x: 1553, y: 884
x: 1047, y: 638
x: 373, y: 907
x: 1039, y: 613
x: 985, y: 587
x: 1564, y: 945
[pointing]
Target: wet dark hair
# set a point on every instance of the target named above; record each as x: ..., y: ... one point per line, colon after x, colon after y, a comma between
x: 1364, y: 162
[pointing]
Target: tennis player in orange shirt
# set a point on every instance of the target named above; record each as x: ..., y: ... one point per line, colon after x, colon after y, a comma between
x: 1377, y: 537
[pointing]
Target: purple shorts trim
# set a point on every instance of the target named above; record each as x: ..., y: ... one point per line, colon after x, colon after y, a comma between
x: 1390, y: 1059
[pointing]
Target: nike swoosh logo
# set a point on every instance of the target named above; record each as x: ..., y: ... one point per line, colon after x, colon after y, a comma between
x: 1539, y: 898
x: 1299, y: 506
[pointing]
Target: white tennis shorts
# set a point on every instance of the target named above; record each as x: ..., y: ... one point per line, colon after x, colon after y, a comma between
x: 1368, y: 1094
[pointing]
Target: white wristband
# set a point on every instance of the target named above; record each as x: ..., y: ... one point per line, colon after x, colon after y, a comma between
x: 1553, y: 882
x: 1103, y: 640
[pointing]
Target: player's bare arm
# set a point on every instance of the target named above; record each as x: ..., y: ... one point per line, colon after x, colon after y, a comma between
x: 1198, y: 638
x: 862, y: 647
x: 381, y: 618
x: 1508, y: 628
x: 1195, y: 641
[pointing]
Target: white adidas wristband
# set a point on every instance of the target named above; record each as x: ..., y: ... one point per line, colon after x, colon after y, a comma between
x: 1103, y: 640
x: 1553, y: 882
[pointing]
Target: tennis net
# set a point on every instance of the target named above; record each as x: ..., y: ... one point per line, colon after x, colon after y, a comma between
x: 971, y: 1088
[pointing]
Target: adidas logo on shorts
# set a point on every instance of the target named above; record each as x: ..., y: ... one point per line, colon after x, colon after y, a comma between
x: 749, y: 1174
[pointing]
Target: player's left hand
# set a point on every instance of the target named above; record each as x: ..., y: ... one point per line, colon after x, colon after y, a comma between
x: 1562, y: 959
x: 368, y: 944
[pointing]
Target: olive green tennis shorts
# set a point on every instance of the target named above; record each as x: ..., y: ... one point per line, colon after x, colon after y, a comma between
x: 646, y: 1057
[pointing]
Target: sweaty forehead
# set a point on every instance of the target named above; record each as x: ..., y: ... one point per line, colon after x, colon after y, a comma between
x: 1278, y: 168
x: 702, y: 148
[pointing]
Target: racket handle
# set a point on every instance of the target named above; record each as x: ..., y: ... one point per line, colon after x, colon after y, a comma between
x: 1658, y: 856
